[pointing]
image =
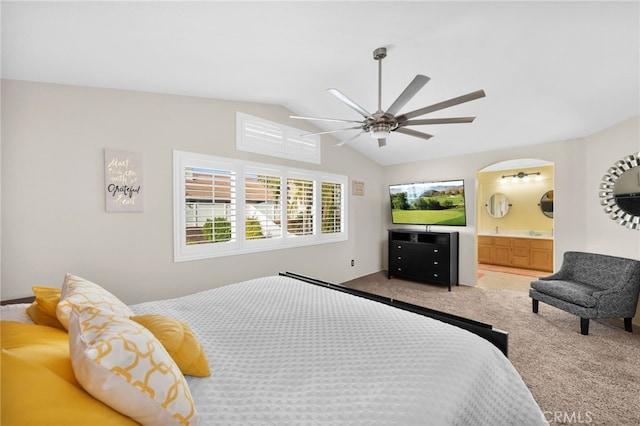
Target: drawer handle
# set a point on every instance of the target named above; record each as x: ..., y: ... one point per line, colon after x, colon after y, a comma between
x: 435, y: 275
x: 399, y: 257
x: 435, y: 263
x: 399, y: 247
x: 436, y: 250
x: 399, y: 269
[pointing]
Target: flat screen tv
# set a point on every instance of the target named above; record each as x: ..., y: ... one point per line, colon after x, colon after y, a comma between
x: 428, y: 203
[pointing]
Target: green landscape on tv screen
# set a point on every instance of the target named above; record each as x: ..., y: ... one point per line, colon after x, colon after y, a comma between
x: 428, y: 203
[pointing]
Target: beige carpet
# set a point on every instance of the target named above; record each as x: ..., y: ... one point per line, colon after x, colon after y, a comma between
x: 592, y: 379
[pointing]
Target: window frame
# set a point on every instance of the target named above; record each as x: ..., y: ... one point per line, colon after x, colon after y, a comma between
x: 183, y: 160
x: 283, y: 141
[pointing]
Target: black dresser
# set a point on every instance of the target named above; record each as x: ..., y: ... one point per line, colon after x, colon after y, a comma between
x: 430, y: 257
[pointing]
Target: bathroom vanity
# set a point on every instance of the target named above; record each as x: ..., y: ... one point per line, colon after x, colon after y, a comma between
x: 534, y: 252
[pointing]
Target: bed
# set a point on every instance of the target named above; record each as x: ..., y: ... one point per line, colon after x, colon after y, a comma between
x: 282, y: 350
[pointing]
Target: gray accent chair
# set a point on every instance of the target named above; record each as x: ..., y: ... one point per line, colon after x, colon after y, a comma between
x: 591, y: 285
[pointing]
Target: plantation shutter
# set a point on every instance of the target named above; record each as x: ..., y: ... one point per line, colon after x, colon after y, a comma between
x: 260, y: 135
x: 302, y: 148
x: 269, y: 138
x: 263, y: 206
x: 210, y: 200
x: 300, y: 206
x: 225, y: 206
x: 332, y: 207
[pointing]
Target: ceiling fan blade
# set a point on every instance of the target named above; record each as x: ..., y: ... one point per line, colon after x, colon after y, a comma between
x: 349, y: 140
x: 331, y: 131
x: 409, y: 92
x: 442, y: 105
x: 335, y: 120
x: 342, y: 97
x: 382, y: 142
x: 437, y: 121
x: 415, y: 133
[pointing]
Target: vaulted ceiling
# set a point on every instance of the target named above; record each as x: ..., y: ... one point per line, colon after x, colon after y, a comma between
x: 551, y: 70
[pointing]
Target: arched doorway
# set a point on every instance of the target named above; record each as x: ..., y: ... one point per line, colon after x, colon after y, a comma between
x: 514, y: 223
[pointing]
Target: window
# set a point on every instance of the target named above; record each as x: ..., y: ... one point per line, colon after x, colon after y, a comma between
x: 332, y: 207
x: 300, y: 206
x: 265, y: 137
x: 263, y: 204
x: 209, y: 205
x: 224, y: 207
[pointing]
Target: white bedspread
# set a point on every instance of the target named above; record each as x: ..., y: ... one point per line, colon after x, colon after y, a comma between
x: 285, y: 352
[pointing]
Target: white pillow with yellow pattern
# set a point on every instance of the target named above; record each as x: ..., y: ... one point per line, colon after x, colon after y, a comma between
x: 78, y: 291
x: 122, y: 364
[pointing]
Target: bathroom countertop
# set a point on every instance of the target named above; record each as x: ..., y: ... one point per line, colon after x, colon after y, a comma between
x: 518, y: 234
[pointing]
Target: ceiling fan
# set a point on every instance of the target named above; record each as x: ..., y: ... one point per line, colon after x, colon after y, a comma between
x: 381, y: 123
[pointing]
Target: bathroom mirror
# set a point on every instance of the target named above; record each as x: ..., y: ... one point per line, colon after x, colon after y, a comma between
x: 498, y: 205
x: 620, y: 192
x: 546, y: 203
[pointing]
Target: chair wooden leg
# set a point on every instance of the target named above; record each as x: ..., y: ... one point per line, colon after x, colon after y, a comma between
x: 627, y: 325
x: 535, y: 305
x: 584, y: 326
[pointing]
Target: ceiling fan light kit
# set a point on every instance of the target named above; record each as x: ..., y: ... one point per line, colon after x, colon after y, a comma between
x: 380, y: 130
x: 382, y: 123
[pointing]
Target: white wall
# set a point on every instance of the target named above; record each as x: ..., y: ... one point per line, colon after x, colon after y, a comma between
x: 53, y: 214
x: 53, y: 218
x: 603, y: 150
x: 580, y: 222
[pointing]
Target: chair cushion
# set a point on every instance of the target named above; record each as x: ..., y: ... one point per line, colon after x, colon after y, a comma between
x: 601, y: 271
x: 569, y: 291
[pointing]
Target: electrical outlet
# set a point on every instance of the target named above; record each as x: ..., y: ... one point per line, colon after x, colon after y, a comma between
x: 353, y: 262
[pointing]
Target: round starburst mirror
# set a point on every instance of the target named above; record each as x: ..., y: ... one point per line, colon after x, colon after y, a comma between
x: 620, y: 192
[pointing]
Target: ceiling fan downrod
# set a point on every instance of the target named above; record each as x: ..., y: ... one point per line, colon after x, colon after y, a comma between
x: 379, y: 54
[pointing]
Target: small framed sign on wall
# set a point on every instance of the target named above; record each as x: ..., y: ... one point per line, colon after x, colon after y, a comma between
x: 357, y: 187
x: 123, y: 181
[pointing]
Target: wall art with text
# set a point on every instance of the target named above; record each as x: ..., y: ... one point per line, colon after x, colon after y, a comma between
x: 123, y: 181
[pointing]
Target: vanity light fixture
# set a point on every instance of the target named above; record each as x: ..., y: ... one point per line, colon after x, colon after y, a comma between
x: 521, y: 177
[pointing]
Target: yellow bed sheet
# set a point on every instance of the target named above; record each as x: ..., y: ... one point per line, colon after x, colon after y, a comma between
x: 38, y: 386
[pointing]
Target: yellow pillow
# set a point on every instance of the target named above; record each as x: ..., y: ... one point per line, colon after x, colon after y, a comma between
x: 47, y: 298
x: 180, y: 341
x: 122, y: 364
x: 40, y: 317
x: 34, y: 395
x: 78, y: 291
x: 43, y: 310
